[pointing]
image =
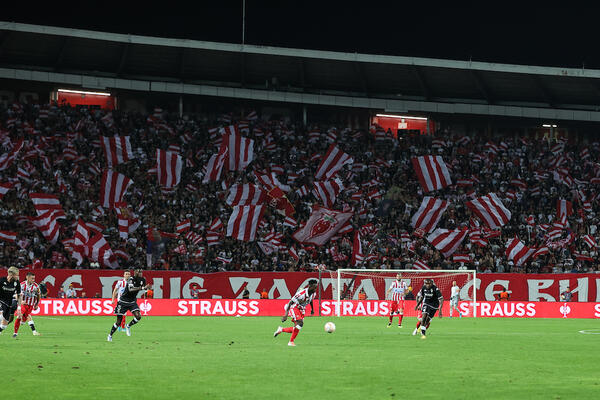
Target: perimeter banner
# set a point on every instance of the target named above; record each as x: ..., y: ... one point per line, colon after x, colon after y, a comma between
x: 282, y: 285
x: 348, y: 308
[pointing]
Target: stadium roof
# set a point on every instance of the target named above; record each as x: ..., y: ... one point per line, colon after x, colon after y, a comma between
x: 92, y: 59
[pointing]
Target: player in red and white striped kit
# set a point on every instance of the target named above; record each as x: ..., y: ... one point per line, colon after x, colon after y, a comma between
x: 295, y: 309
x: 398, y: 289
x: 118, y: 291
x: 31, y: 300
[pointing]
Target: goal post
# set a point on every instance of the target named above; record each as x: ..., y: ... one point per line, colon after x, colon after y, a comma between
x: 375, y: 282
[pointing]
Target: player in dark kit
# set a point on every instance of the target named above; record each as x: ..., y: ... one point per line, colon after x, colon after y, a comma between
x: 431, y: 300
x: 10, y: 297
x: 128, y: 302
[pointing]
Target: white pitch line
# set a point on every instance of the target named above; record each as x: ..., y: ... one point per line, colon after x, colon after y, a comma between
x: 590, y: 331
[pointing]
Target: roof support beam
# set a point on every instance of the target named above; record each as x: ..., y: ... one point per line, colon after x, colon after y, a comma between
x: 61, y: 54
x: 546, y: 95
x: 362, y: 77
x: 482, y: 87
x: 3, y: 37
x: 182, y: 64
x: 422, y: 82
x: 124, y: 54
x: 302, y: 72
x: 243, y: 69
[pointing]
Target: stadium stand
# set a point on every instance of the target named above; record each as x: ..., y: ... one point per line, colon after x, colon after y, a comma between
x: 547, y: 185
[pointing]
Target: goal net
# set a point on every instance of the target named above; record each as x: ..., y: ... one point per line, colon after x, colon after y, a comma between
x: 347, y: 284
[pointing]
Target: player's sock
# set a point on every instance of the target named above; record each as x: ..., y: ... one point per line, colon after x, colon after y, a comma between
x: 133, y: 322
x: 289, y: 329
x: 17, y: 324
x: 32, y: 326
x: 400, y: 319
x: 391, y: 318
x: 123, y: 323
x: 295, y: 333
x: 113, y: 329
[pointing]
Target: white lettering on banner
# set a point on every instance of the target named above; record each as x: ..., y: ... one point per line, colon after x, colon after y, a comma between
x: 465, y: 308
x: 237, y: 282
x: 157, y: 284
x: 490, y: 293
x: 464, y: 291
x: 219, y: 307
x: 535, y: 285
x: 72, y: 279
x: 108, y: 285
x: 186, y: 291
x: 282, y: 289
x: 175, y: 284
x: 501, y: 309
x: 597, y: 311
x: 49, y: 280
x: 581, y: 289
x: 349, y: 308
x: 597, y: 290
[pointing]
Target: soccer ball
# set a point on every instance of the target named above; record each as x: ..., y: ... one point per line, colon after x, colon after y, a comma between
x: 329, y: 327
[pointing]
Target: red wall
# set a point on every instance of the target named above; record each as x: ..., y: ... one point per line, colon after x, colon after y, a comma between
x: 405, y: 123
x: 79, y: 99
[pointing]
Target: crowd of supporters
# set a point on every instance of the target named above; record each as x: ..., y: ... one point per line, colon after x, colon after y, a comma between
x: 62, y: 155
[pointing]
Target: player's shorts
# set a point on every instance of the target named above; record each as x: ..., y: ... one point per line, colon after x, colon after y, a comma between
x: 454, y: 301
x: 26, y: 309
x: 429, y: 310
x: 122, y: 308
x: 395, y: 306
x: 296, y: 314
x: 6, y: 311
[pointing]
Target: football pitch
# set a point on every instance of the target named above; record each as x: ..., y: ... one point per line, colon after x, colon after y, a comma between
x: 238, y: 358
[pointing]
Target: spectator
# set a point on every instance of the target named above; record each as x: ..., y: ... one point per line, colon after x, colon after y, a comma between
x: 245, y: 293
x: 71, y: 293
x: 504, y: 295
x: 195, y: 291
x: 362, y: 295
x: 264, y: 294
x: 83, y: 295
x: 43, y: 290
x: 61, y: 294
x: 566, y: 295
x: 409, y: 294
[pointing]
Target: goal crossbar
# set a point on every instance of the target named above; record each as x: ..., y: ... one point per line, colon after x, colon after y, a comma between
x: 423, y: 273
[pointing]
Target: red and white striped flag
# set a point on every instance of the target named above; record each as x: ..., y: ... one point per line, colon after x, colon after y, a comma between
x: 245, y: 195
x: 122, y: 254
x: 517, y: 252
x: 243, y: 222
x: 8, y: 236
x: 213, y: 238
x: 80, y: 239
x: 293, y: 253
x: 358, y: 255
x: 43, y: 202
x: 520, y: 183
x: 289, y: 221
x: 461, y: 258
x: 447, y: 241
x: 327, y: 191
x: 99, y: 250
x: 334, y: 160
x: 490, y: 209
x: 429, y: 214
x: 7, y: 159
x: 541, y: 251
x: 113, y: 188
x: 215, y: 165
x: 303, y: 191
x: 117, y: 150
x: 432, y: 172
x: 590, y: 241
x: 181, y: 249
x: 127, y: 221
x: 183, y: 226
x: 563, y: 207
x: 241, y: 150
x: 169, y: 166
x: 4, y: 188
x: 224, y: 260
x: 420, y: 265
x: 48, y: 225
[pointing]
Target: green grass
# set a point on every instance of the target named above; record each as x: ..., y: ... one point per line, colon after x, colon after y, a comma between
x: 237, y: 358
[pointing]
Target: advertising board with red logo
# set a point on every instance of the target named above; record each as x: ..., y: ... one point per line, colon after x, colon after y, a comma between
x: 347, y: 308
x: 283, y: 285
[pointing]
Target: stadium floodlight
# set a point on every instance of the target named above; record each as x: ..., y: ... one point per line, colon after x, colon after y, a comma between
x: 84, y: 92
x: 347, y: 283
x: 400, y: 116
x: 549, y: 126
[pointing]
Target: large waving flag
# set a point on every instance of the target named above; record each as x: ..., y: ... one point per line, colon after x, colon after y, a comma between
x: 243, y: 222
x: 332, y: 162
x: 7, y: 159
x: 432, y: 172
x: 241, y: 151
x: 215, y: 165
x: 328, y: 191
x: 100, y: 251
x: 429, y: 214
x: 245, y: 195
x: 113, y: 188
x: 517, y: 252
x: 168, y: 168
x: 43, y: 202
x: 117, y: 150
x: 491, y: 210
x: 48, y: 225
x: 358, y: 255
x: 322, y: 224
x: 447, y: 241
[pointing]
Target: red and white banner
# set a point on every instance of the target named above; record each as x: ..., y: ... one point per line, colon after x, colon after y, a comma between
x: 446, y: 241
x: 241, y: 151
x: 563, y: 208
x: 491, y: 210
x: 113, y: 188
x: 245, y: 195
x: 346, y: 308
x: 48, y: 225
x: 322, y: 224
x: 8, y: 236
x: 333, y: 161
x: 100, y: 251
x: 7, y: 159
x: 215, y: 165
x: 43, y: 202
x: 244, y: 221
x: 117, y: 150
x: 517, y: 252
x: 327, y: 191
x: 429, y: 214
x: 169, y: 166
x: 432, y: 172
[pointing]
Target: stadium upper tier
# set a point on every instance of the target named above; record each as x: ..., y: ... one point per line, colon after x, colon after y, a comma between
x: 550, y: 188
x: 129, y: 62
